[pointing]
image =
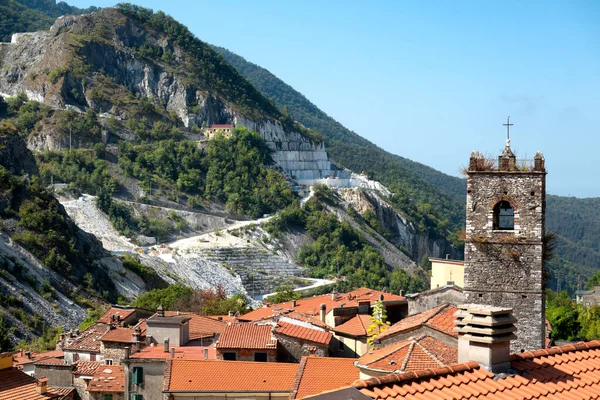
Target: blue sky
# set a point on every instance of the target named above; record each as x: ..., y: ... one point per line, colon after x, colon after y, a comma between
x: 431, y: 80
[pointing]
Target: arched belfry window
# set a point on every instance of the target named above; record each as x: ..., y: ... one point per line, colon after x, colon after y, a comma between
x: 504, y: 216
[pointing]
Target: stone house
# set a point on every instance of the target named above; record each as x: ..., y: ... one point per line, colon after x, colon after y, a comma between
x: 83, y: 373
x: 123, y: 315
x: 58, y: 373
x: 86, y: 345
x: 296, y: 339
x: 247, y: 342
x: 25, y: 360
x: 113, y: 344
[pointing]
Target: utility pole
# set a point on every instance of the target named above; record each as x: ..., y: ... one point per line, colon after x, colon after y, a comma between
x: 558, y: 282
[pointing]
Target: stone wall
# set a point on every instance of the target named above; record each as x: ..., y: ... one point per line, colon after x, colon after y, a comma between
x: 433, y: 298
x: 505, y: 267
x: 114, y: 351
x: 248, y: 354
x: 423, y: 330
x: 293, y: 349
x: 58, y: 375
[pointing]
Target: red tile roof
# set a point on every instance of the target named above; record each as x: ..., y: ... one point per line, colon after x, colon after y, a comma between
x: 319, y: 374
x: 88, y: 340
x: 20, y: 358
x: 300, y: 316
x: 440, y: 318
x: 122, y: 314
x: 304, y: 333
x: 566, y: 372
x: 158, y: 352
x: 228, y: 376
x: 311, y: 305
x: 108, y: 378
x: 409, y: 355
x: 51, y: 361
x: 119, y: 335
x: 17, y: 385
x: 86, y: 367
x: 200, y: 326
x: 247, y: 336
x: 356, y: 326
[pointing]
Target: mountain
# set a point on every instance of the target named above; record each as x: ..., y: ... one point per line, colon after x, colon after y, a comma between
x: 32, y: 15
x: 575, y: 221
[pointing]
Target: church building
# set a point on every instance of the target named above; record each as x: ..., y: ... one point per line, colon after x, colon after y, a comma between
x: 504, y: 245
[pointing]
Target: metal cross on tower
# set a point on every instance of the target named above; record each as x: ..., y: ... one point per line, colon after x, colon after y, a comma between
x: 508, y: 125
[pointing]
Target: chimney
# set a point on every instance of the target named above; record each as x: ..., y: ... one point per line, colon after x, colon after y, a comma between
x: 219, y: 318
x: 539, y: 162
x: 28, y: 354
x: 230, y: 313
x: 447, y: 256
x: 22, y: 352
x: 381, y: 297
x: 293, y: 303
x: 127, y: 352
x: 484, y: 335
x: 206, y: 354
x: 172, y: 352
x: 401, y: 292
x: 160, y: 311
x: 41, y: 386
x: 148, y: 340
x: 322, y: 312
x: 333, y: 295
x: 363, y: 306
x: 166, y: 345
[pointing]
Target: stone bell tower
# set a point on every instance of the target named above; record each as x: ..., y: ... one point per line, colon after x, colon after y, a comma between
x: 506, y: 214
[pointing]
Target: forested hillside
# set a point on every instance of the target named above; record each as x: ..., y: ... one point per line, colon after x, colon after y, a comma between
x: 576, y: 221
x: 32, y: 15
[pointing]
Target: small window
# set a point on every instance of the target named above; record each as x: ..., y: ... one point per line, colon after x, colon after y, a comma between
x: 107, y: 396
x: 230, y: 356
x: 504, y: 216
x: 137, y: 397
x: 262, y: 357
x: 92, y: 357
x: 108, y: 362
x: 138, y: 375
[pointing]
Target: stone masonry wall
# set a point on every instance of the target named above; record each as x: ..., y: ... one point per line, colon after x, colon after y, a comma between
x: 113, y: 351
x: 293, y: 349
x: 248, y: 354
x: 505, y: 267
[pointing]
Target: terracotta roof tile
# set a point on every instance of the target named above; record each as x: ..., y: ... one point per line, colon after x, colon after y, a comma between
x: 88, y: 340
x: 119, y: 335
x: 20, y: 358
x: 51, y: 361
x: 310, y: 305
x: 247, y: 336
x: 566, y: 372
x: 17, y: 385
x: 304, y: 333
x: 304, y: 317
x: 158, y: 352
x: 108, y: 378
x: 200, y: 326
x: 319, y: 374
x: 228, y: 376
x: 409, y: 355
x: 86, y: 367
x: 120, y: 313
x: 355, y: 326
x: 440, y: 318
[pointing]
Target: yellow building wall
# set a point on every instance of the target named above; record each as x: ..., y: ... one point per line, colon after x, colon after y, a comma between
x: 443, y: 271
x: 6, y: 360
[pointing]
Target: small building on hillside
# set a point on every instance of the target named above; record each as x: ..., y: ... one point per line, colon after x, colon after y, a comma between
x: 447, y: 272
x: 219, y: 129
x: 591, y: 297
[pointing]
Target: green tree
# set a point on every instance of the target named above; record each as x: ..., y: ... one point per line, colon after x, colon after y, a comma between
x: 5, y: 330
x: 379, y: 323
x: 282, y: 294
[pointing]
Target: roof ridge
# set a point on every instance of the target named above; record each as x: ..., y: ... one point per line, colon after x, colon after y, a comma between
x: 426, y: 351
x: 404, y: 343
x: 298, y: 378
x: 440, y: 308
x: 408, y: 354
x: 567, y: 348
x: 412, y: 375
